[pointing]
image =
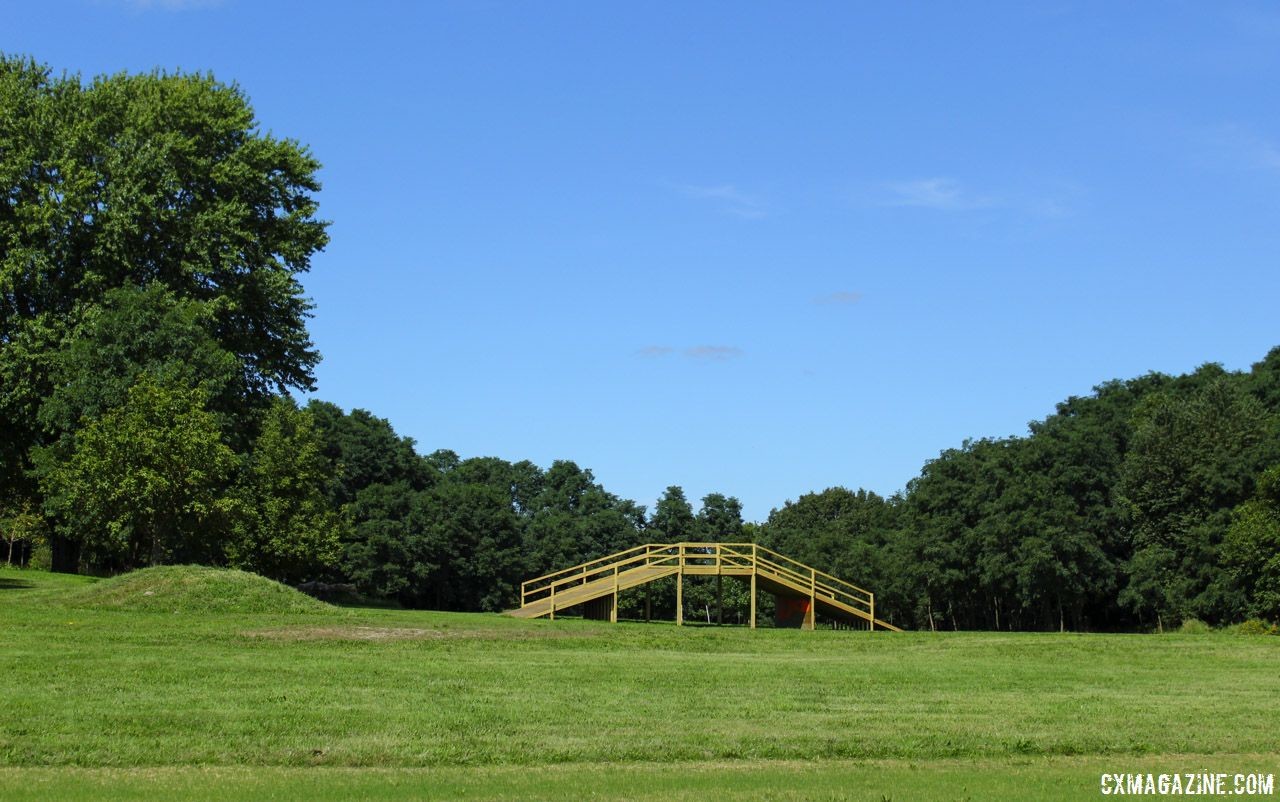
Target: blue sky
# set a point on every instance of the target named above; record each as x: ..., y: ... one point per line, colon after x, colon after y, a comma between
x: 754, y: 248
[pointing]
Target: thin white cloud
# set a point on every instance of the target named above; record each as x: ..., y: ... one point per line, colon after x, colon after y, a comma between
x: 1261, y: 153
x: 950, y: 195
x: 1234, y: 146
x: 1050, y: 208
x: 702, y: 353
x: 713, y: 353
x: 838, y: 299
x: 1255, y: 23
x: 655, y: 351
x: 945, y: 194
x: 729, y: 199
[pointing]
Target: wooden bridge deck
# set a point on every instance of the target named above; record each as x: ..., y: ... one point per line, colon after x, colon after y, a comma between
x: 764, y: 568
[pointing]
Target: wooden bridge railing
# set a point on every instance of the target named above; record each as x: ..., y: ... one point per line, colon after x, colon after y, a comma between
x: 756, y: 559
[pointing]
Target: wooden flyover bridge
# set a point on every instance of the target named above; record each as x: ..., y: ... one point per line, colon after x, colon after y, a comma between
x: 595, y: 585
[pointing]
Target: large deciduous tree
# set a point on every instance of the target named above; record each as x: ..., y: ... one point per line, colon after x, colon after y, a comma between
x: 147, y: 223
x: 156, y: 179
x: 1193, y: 459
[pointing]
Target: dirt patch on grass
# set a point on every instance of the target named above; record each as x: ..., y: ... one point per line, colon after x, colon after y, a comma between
x: 344, y: 633
x: 379, y: 634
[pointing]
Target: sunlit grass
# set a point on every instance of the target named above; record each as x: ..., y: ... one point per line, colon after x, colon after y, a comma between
x: 120, y: 692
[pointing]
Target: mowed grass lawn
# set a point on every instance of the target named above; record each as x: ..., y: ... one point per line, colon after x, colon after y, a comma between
x: 115, y: 697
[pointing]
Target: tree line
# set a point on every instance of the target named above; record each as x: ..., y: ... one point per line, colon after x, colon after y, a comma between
x: 1145, y: 503
x: 153, y: 328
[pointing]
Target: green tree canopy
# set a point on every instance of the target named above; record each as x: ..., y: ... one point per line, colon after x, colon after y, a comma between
x: 1252, y: 547
x: 1193, y: 459
x: 720, y: 519
x: 365, y: 450
x: 672, y: 520
x: 146, y: 482
x: 286, y: 528
x: 147, y: 223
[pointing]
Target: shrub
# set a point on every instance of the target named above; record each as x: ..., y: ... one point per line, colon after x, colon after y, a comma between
x: 1194, y: 626
x: 41, y: 558
x: 1256, y: 626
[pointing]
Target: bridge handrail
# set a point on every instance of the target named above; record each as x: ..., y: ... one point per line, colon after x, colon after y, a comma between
x: 835, y: 579
x: 705, y: 554
x: 657, y: 555
x: 577, y: 569
x: 819, y: 588
x: 608, y: 560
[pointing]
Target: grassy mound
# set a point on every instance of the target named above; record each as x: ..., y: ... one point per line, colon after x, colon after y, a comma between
x: 196, y: 589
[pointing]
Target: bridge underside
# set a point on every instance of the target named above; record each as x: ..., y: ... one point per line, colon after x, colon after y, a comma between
x: 803, y: 593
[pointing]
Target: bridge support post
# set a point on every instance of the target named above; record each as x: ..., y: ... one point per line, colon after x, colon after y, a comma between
x: 680, y: 587
x: 871, y: 626
x: 613, y: 608
x: 719, y: 600
x: 648, y: 601
x: 753, y: 586
x: 811, y: 617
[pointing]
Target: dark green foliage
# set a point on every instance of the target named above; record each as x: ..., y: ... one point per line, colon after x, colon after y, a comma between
x: 1264, y: 380
x: 837, y: 528
x: 1111, y: 513
x: 455, y: 546
x: 571, y: 518
x: 134, y: 330
x: 473, y: 537
x: 672, y: 520
x: 386, y: 554
x: 145, y: 483
x: 720, y: 519
x: 448, y: 533
x: 1252, y: 548
x: 285, y: 528
x: 364, y: 450
x: 1192, y: 461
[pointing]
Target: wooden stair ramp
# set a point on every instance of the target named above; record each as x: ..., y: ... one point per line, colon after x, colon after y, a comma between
x: 605, y: 577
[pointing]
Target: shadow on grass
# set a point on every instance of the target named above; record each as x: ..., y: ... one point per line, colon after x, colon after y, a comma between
x: 362, y: 603
x: 15, y: 584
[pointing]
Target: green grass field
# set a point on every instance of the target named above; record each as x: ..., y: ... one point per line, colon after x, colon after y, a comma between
x: 169, y: 690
